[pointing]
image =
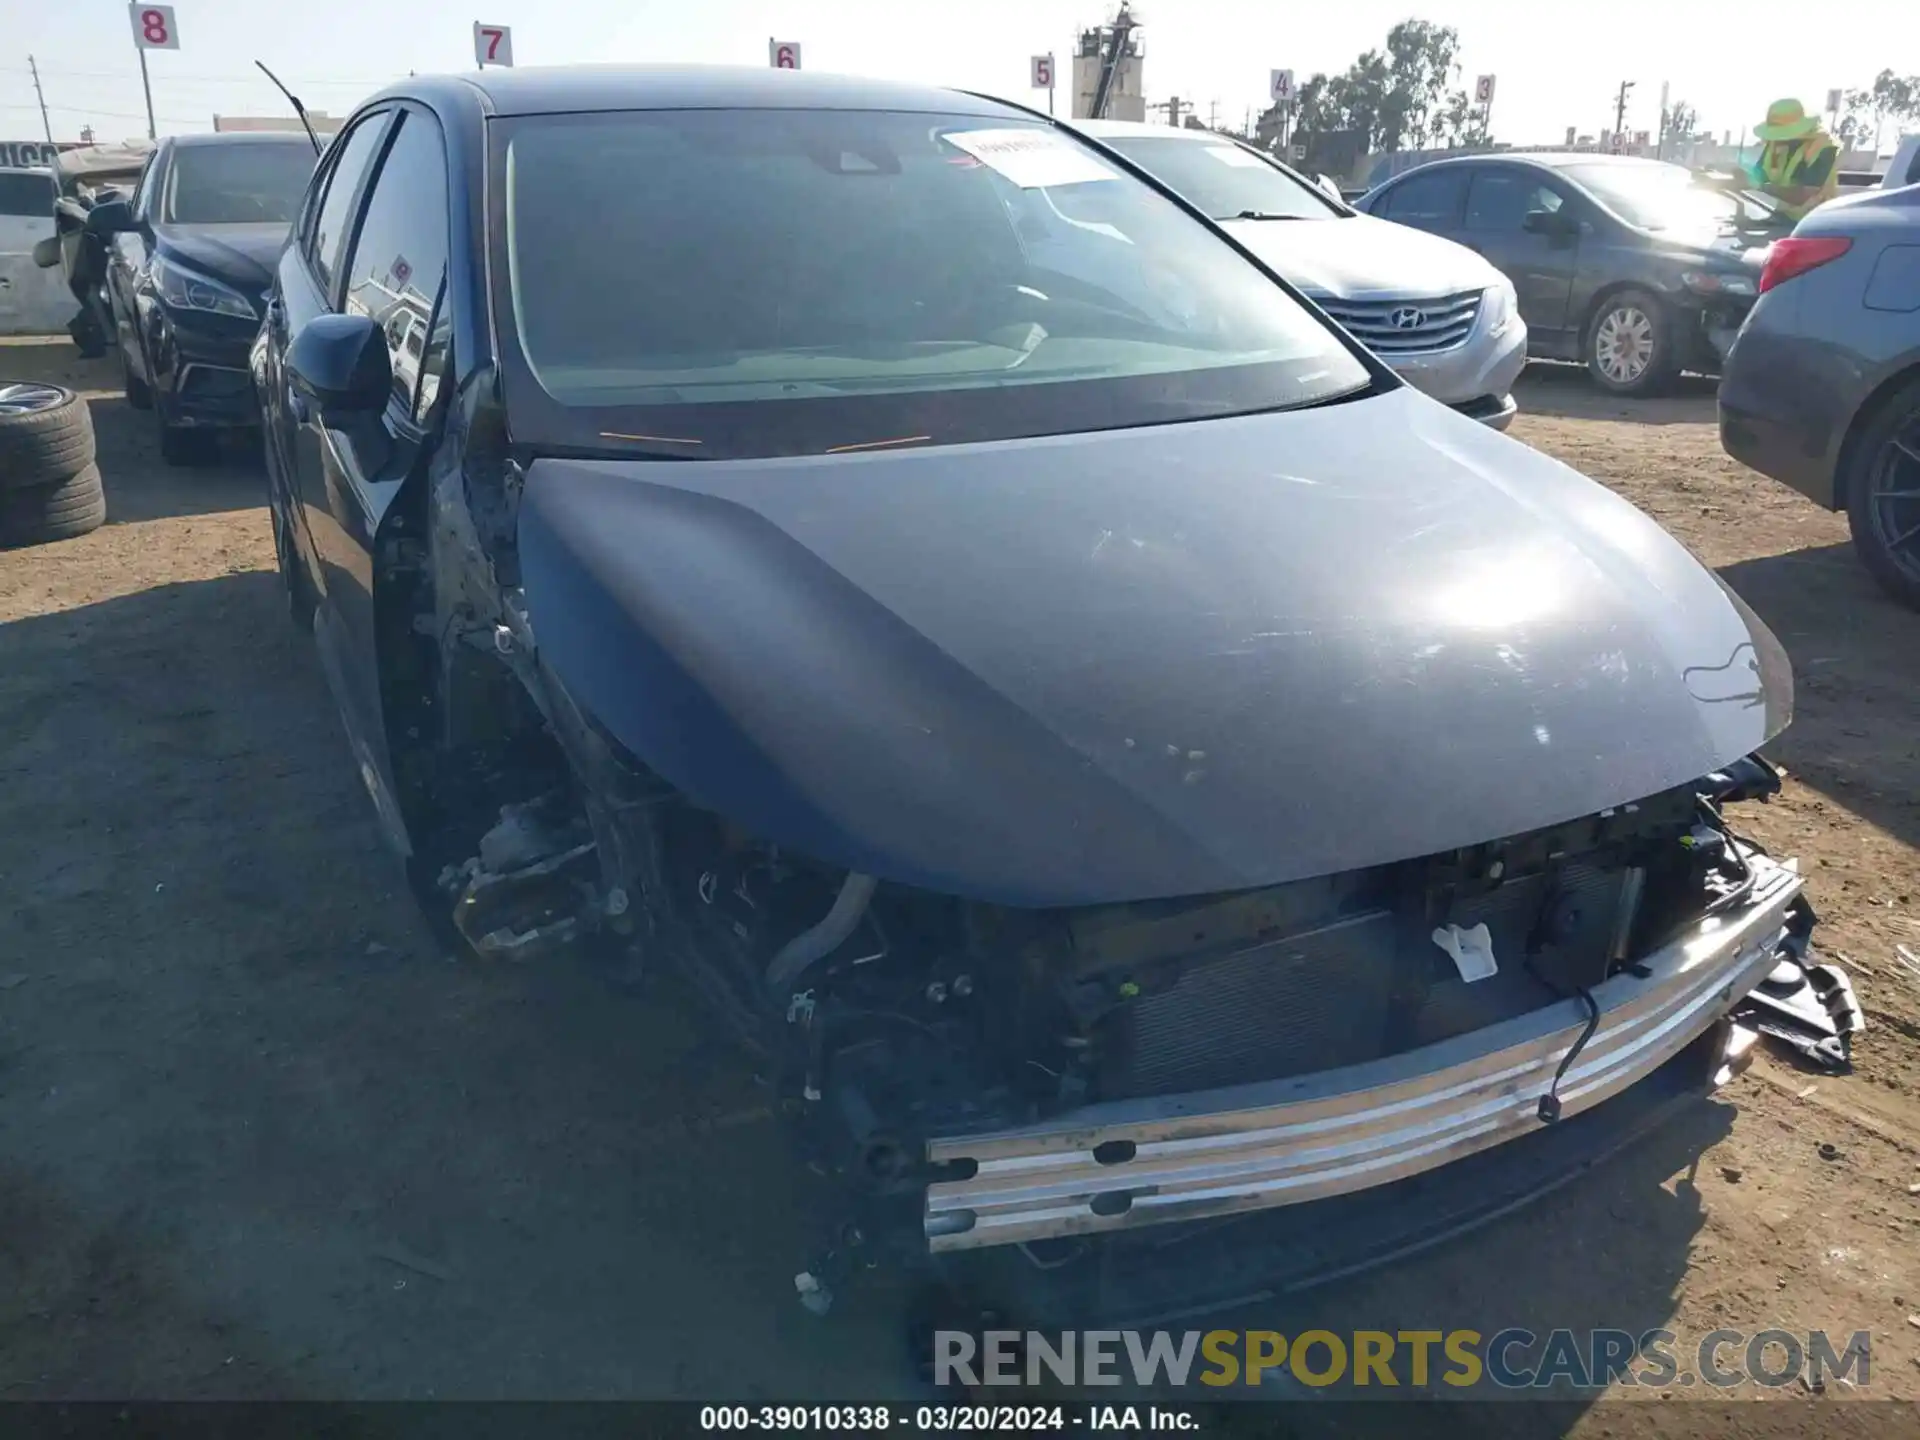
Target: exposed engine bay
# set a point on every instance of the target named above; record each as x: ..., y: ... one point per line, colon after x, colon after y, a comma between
x: 894, y: 1022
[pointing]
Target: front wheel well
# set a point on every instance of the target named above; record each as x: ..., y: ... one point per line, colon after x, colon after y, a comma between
x: 1884, y: 394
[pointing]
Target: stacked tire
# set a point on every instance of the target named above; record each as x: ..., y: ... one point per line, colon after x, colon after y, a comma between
x: 49, y: 483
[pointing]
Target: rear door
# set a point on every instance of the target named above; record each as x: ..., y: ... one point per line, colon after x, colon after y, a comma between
x: 1529, y: 229
x: 1432, y: 200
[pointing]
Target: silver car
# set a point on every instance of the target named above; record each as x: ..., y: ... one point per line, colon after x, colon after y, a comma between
x: 1440, y: 315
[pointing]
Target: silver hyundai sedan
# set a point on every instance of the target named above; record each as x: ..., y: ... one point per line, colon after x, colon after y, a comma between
x: 1440, y: 315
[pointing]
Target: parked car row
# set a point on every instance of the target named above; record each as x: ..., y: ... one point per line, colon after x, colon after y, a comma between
x: 992, y: 606
x: 1640, y: 269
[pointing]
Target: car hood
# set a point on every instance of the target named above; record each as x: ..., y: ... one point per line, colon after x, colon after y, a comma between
x: 1359, y: 257
x: 242, y: 256
x: 1711, y: 243
x: 1166, y: 661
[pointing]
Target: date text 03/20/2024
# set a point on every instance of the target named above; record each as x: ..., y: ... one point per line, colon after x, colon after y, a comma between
x: 944, y: 1419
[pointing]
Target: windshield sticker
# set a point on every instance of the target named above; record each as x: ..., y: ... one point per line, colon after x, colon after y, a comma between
x: 1031, y: 159
x: 1232, y: 155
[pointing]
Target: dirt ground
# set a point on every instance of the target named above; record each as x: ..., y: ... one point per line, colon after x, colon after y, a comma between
x: 259, y: 1138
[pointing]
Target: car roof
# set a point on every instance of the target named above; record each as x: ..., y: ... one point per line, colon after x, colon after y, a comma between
x: 553, y: 90
x: 1560, y: 159
x: 1541, y: 159
x: 1550, y: 159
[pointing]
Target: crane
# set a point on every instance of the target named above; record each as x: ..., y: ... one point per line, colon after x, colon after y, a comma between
x: 1117, y: 36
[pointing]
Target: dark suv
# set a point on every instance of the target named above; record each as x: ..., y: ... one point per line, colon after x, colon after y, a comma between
x: 189, y: 259
x: 1633, y: 267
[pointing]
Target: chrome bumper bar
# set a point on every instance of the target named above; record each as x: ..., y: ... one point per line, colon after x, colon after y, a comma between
x: 1184, y: 1157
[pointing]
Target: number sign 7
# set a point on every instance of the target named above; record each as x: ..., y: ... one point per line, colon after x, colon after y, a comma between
x: 492, y: 44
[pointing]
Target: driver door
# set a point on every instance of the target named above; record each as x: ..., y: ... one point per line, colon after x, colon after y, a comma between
x: 128, y: 255
x: 381, y: 253
x: 1541, y: 254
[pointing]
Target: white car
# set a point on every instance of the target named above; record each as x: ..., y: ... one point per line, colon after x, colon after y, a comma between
x: 1440, y: 315
x: 33, y: 301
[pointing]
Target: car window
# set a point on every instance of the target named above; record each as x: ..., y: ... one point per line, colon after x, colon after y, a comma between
x: 1224, y: 179
x: 27, y: 195
x: 329, y: 240
x: 242, y: 183
x: 1913, y: 167
x: 1431, y: 201
x: 1501, y: 198
x: 143, y: 193
x: 400, y: 258
x: 310, y: 202
x: 783, y: 282
x: 1657, y: 196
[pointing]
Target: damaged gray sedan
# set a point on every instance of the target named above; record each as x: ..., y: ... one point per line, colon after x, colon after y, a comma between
x: 1175, y: 812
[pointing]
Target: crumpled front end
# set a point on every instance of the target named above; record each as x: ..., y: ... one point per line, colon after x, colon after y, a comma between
x: 1097, y: 838
x: 1193, y: 1156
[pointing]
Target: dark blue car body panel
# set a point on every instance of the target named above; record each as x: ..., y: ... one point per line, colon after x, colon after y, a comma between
x: 1143, y: 663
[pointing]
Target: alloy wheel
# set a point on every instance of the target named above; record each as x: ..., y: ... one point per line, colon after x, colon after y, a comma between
x: 1893, y: 493
x: 1623, y: 344
x: 24, y: 397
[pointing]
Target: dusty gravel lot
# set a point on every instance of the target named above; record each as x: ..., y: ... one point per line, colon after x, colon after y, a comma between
x: 259, y: 1138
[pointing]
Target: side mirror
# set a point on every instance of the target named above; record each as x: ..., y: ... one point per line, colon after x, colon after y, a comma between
x: 1548, y: 222
x: 1328, y: 185
x: 110, y: 217
x: 339, y: 363
x: 46, y: 253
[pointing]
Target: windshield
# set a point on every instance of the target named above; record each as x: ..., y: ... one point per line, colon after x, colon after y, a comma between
x: 1224, y: 179
x: 760, y: 282
x: 239, y: 184
x: 1658, y: 197
x: 1756, y: 207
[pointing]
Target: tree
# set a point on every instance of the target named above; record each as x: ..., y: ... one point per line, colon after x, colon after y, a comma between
x: 1463, y: 124
x: 1890, y: 97
x: 1853, y: 127
x: 1399, y: 97
x: 1353, y: 101
x: 1679, y: 123
x: 1421, y: 65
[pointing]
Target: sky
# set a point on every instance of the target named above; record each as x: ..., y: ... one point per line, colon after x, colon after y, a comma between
x: 1557, y: 63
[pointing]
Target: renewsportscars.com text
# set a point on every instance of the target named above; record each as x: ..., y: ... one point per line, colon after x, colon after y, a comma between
x: 1512, y: 1359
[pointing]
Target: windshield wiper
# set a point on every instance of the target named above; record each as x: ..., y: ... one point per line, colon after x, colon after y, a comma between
x: 1259, y: 215
x: 654, y: 447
